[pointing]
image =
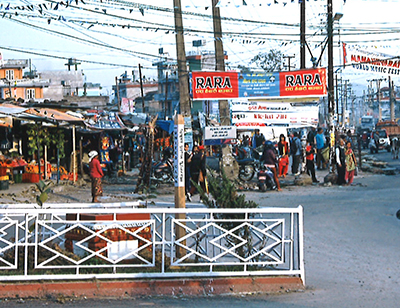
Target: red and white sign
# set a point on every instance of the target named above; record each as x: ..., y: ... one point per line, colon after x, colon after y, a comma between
x: 228, y: 85
x: 215, y: 85
x: 300, y: 116
x: 311, y: 82
x: 368, y: 61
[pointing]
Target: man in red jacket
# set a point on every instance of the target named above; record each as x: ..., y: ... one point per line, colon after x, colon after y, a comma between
x: 96, y: 173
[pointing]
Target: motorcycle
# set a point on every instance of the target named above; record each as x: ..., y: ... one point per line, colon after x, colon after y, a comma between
x: 265, y: 179
x: 162, y: 172
x: 247, y: 164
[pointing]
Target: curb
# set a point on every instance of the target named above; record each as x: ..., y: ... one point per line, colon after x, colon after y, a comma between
x: 170, y: 287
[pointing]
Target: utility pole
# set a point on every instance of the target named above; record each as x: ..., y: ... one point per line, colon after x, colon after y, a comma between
x: 230, y: 165
x: 391, y: 100
x: 141, y: 86
x: 289, y: 66
x: 183, y: 75
x: 185, y: 111
x: 118, y: 98
x: 219, y: 59
x: 344, y: 102
x: 331, y: 96
x: 302, y: 35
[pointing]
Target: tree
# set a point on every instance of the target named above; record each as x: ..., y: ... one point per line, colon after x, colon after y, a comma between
x: 271, y: 61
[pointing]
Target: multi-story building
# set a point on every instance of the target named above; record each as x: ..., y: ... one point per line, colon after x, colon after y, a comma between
x: 15, y: 85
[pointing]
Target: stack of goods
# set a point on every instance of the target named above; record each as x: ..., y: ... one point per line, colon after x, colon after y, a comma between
x: 31, y: 174
x: 63, y: 173
x: 3, y: 176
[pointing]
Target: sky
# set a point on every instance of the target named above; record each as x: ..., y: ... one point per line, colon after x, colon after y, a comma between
x: 110, y: 37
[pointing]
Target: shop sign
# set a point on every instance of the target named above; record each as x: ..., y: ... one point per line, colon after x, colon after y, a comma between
x: 219, y: 132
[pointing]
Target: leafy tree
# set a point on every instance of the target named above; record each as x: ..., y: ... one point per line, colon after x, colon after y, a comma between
x: 271, y: 61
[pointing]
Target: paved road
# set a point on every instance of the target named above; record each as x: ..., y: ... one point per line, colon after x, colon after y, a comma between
x: 351, y: 250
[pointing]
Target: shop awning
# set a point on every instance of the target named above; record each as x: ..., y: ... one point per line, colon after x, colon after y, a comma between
x: 106, y: 121
x: 168, y: 126
x: 54, y: 115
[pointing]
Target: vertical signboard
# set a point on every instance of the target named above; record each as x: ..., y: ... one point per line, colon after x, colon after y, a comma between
x: 179, y: 152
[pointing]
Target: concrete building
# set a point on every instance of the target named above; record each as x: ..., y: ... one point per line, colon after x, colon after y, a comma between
x: 15, y: 85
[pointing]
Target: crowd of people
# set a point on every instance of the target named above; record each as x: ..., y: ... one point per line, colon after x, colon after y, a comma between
x: 309, y: 152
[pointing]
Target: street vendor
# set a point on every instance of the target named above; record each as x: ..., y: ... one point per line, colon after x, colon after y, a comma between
x: 96, y: 173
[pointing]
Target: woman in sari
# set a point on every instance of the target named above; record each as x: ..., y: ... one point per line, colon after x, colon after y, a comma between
x: 96, y: 173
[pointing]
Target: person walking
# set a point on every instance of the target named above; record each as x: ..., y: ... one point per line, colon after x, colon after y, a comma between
x: 341, y: 162
x: 96, y: 173
x: 268, y: 158
x: 310, y: 151
x: 283, y: 151
x: 198, y: 168
x: 320, y: 145
x: 296, y: 151
x: 351, y: 164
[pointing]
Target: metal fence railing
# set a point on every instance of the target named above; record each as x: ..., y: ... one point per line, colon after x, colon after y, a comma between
x: 82, y: 241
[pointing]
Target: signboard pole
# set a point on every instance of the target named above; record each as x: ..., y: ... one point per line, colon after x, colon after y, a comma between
x: 179, y: 175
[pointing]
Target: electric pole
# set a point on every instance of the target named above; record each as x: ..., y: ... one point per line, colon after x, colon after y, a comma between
x: 391, y: 100
x: 183, y: 75
x: 219, y: 60
x: 331, y: 95
x: 302, y: 35
x: 289, y: 66
x: 230, y: 165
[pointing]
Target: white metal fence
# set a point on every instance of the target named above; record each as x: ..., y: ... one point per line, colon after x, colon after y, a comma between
x: 81, y: 241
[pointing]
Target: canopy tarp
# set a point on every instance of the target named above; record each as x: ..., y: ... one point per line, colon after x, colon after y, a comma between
x: 168, y: 126
x: 106, y: 121
x: 53, y: 114
x: 19, y: 113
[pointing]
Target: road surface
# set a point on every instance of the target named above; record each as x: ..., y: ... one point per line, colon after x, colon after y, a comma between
x: 351, y: 250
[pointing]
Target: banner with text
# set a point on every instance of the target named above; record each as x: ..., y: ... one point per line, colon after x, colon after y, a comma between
x: 368, y: 61
x: 276, y: 113
x: 226, y: 85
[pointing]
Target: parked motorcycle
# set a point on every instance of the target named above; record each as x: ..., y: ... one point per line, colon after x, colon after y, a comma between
x: 163, y: 172
x: 265, y: 178
x: 247, y: 164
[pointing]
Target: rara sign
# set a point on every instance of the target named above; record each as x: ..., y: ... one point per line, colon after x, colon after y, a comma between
x: 226, y: 85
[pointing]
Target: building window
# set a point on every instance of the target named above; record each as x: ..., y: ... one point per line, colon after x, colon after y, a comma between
x: 30, y: 93
x: 10, y: 74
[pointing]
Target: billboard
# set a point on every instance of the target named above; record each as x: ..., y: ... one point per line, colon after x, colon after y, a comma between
x: 228, y: 85
x: 255, y: 113
x: 370, y: 61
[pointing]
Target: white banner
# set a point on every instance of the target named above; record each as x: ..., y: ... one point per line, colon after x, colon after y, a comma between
x: 219, y: 132
x: 308, y: 117
x: 368, y: 61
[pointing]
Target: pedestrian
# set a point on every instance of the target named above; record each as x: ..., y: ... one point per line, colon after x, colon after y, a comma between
x: 320, y: 145
x: 283, y: 151
x: 198, y: 168
x: 351, y: 164
x: 296, y: 152
x: 268, y: 158
x: 310, y: 151
x: 341, y: 162
x: 188, y: 160
x: 96, y: 173
x: 258, y: 139
x: 311, y: 136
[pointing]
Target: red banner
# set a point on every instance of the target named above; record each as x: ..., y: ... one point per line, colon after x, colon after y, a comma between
x: 303, y: 83
x: 215, y: 85
x: 226, y: 85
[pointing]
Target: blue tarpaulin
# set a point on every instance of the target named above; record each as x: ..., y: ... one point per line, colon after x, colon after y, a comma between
x: 168, y: 126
